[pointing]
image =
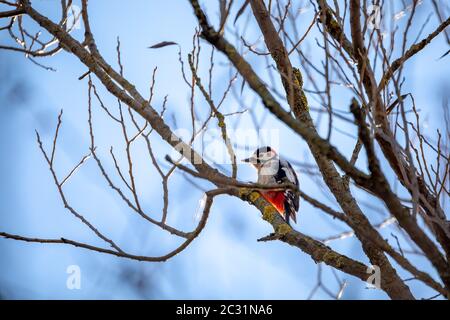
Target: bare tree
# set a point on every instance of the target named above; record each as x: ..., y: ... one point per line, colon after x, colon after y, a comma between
x: 403, y: 169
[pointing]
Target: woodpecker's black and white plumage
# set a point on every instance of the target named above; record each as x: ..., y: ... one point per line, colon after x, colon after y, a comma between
x: 273, y: 170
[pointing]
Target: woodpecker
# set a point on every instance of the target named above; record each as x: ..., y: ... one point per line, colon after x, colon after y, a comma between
x: 271, y: 171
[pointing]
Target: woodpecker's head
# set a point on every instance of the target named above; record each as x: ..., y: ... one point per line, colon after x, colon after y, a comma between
x: 261, y: 156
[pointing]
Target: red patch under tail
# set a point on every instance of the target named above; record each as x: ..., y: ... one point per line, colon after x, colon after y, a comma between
x: 276, y: 198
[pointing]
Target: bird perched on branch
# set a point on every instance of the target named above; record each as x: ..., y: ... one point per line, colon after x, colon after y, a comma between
x: 271, y: 171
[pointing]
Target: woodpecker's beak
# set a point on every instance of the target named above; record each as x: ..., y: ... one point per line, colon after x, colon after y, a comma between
x: 249, y: 160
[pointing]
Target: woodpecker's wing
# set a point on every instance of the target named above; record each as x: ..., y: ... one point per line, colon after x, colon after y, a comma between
x: 287, y: 173
x: 292, y: 176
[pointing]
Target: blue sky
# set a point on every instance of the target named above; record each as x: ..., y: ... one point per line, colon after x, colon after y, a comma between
x: 225, y: 261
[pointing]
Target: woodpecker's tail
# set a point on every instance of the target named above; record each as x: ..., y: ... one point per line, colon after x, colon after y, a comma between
x: 284, y: 202
x: 290, y: 207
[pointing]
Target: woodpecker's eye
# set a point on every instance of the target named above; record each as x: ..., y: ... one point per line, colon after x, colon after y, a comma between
x: 264, y: 154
